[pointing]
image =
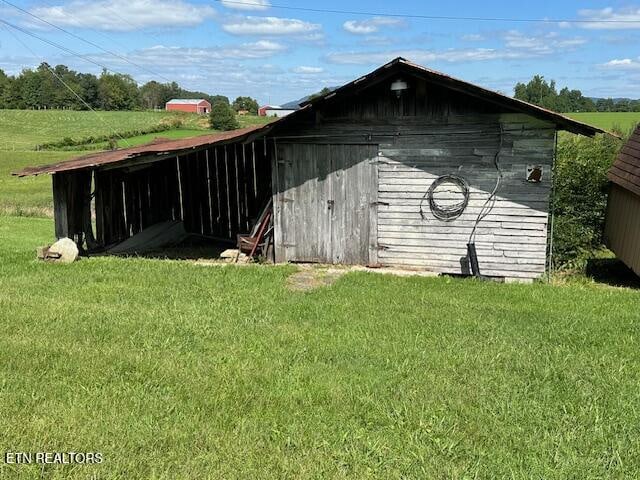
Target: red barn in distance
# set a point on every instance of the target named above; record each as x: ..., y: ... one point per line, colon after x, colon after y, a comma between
x: 193, y: 105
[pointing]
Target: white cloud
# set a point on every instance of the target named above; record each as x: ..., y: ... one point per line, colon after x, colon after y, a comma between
x: 541, y: 45
x: 270, y: 26
x: 307, y: 70
x: 610, y: 19
x: 517, y: 46
x: 473, y: 37
x: 371, y: 25
x: 246, y: 4
x: 622, y: 64
x: 165, y: 56
x: 419, y: 56
x: 126, y: 15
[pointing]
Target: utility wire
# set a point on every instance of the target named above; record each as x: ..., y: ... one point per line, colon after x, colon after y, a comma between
x: 61, y: 80
x: 88, y: 42
x: 54, y: 44
x: 80, y: 22
x: 429, y: 17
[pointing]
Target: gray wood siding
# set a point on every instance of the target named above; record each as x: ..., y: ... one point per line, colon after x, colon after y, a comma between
x: 622, y: 228
x: 511, y: 240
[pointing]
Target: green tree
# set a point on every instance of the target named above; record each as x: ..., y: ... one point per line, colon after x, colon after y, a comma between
x: 5, y: 83
x: 246, y: 103
x: 153, y: 95
x: 88, y: 84
x: 11, y: 95
x: 117, y: 92
x: 321, y: 93
x: 538, y: 91
x: 30, y: 88
x: 217, y: 98
x: 222, y: 117
x: 580, y: 195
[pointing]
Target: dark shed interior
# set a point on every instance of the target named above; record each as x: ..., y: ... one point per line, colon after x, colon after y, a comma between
x: 216, y: 191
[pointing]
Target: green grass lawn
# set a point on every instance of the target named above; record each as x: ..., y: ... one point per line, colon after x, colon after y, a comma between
x: 623, y: 121
x: 174, y: 370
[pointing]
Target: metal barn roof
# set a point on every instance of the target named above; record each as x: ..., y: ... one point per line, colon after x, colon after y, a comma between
x: 625, y: 171
x: 186, y: 101
x: 159, y: 147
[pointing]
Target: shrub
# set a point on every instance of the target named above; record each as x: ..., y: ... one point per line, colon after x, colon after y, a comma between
x: 579, y: 200
x: 222, y: 117
x: 171, y: 123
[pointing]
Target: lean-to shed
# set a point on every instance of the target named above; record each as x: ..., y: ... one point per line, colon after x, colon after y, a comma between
x: 622, y: 226
x: 402, y: 167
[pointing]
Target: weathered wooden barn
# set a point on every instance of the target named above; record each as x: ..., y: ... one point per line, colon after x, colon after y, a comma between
x: 622, y: 226
x: 402, y: 167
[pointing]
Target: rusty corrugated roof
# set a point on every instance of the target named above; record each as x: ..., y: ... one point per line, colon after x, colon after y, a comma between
x: 625, y: 171
x: 157, y: 147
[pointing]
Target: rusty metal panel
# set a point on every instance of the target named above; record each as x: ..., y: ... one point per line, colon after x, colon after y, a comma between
x: 159, y: 148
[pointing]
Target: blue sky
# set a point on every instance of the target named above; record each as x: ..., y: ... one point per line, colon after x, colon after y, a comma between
x: 252, y: 47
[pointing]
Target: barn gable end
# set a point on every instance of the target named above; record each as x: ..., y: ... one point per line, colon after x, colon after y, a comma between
x: 352, y: 174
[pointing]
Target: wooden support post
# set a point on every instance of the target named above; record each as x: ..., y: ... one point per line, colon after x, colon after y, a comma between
x: 60, y: 205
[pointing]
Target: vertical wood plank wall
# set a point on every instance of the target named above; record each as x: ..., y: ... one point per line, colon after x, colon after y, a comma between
x: 71, y: 198
x: 216, y: 192
x: 324, y: 210
x: 622, y: 228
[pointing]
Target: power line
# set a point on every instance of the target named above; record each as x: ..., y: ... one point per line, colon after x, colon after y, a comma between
x: 54, y: 44
x: 431, y: 17
x: 80, y: 21
x: 88, y: 42
x: 61, y: 80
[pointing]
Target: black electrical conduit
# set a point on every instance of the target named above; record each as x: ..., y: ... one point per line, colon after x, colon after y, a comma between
x: 447, y: 213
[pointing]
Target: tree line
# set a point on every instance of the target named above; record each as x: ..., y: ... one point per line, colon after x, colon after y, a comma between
x: 545, y: 94
x: 43, y: 88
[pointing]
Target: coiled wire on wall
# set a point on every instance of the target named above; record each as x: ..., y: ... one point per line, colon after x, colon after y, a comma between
x: 446, y: 213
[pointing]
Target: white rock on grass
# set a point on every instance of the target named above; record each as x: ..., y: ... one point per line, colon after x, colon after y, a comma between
x: 65, y: 249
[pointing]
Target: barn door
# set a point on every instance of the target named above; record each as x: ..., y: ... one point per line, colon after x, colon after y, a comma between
x: 326, y: 209
x: 354, y: 210
x: 305, y: 219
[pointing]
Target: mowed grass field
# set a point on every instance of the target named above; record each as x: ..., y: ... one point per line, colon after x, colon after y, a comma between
x: 174, y: 370
x: 22, y: 130
x: 622, y: 121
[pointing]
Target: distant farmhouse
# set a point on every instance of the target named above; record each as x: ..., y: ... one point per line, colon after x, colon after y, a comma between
x: 275, y: 111
x: 193, y: 105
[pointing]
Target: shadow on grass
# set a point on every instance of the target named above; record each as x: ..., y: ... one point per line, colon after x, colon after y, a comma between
x: 612, y: 271
x: 191, y: 249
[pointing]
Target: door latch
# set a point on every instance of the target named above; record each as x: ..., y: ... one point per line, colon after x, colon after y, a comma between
x: 330, y: 204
